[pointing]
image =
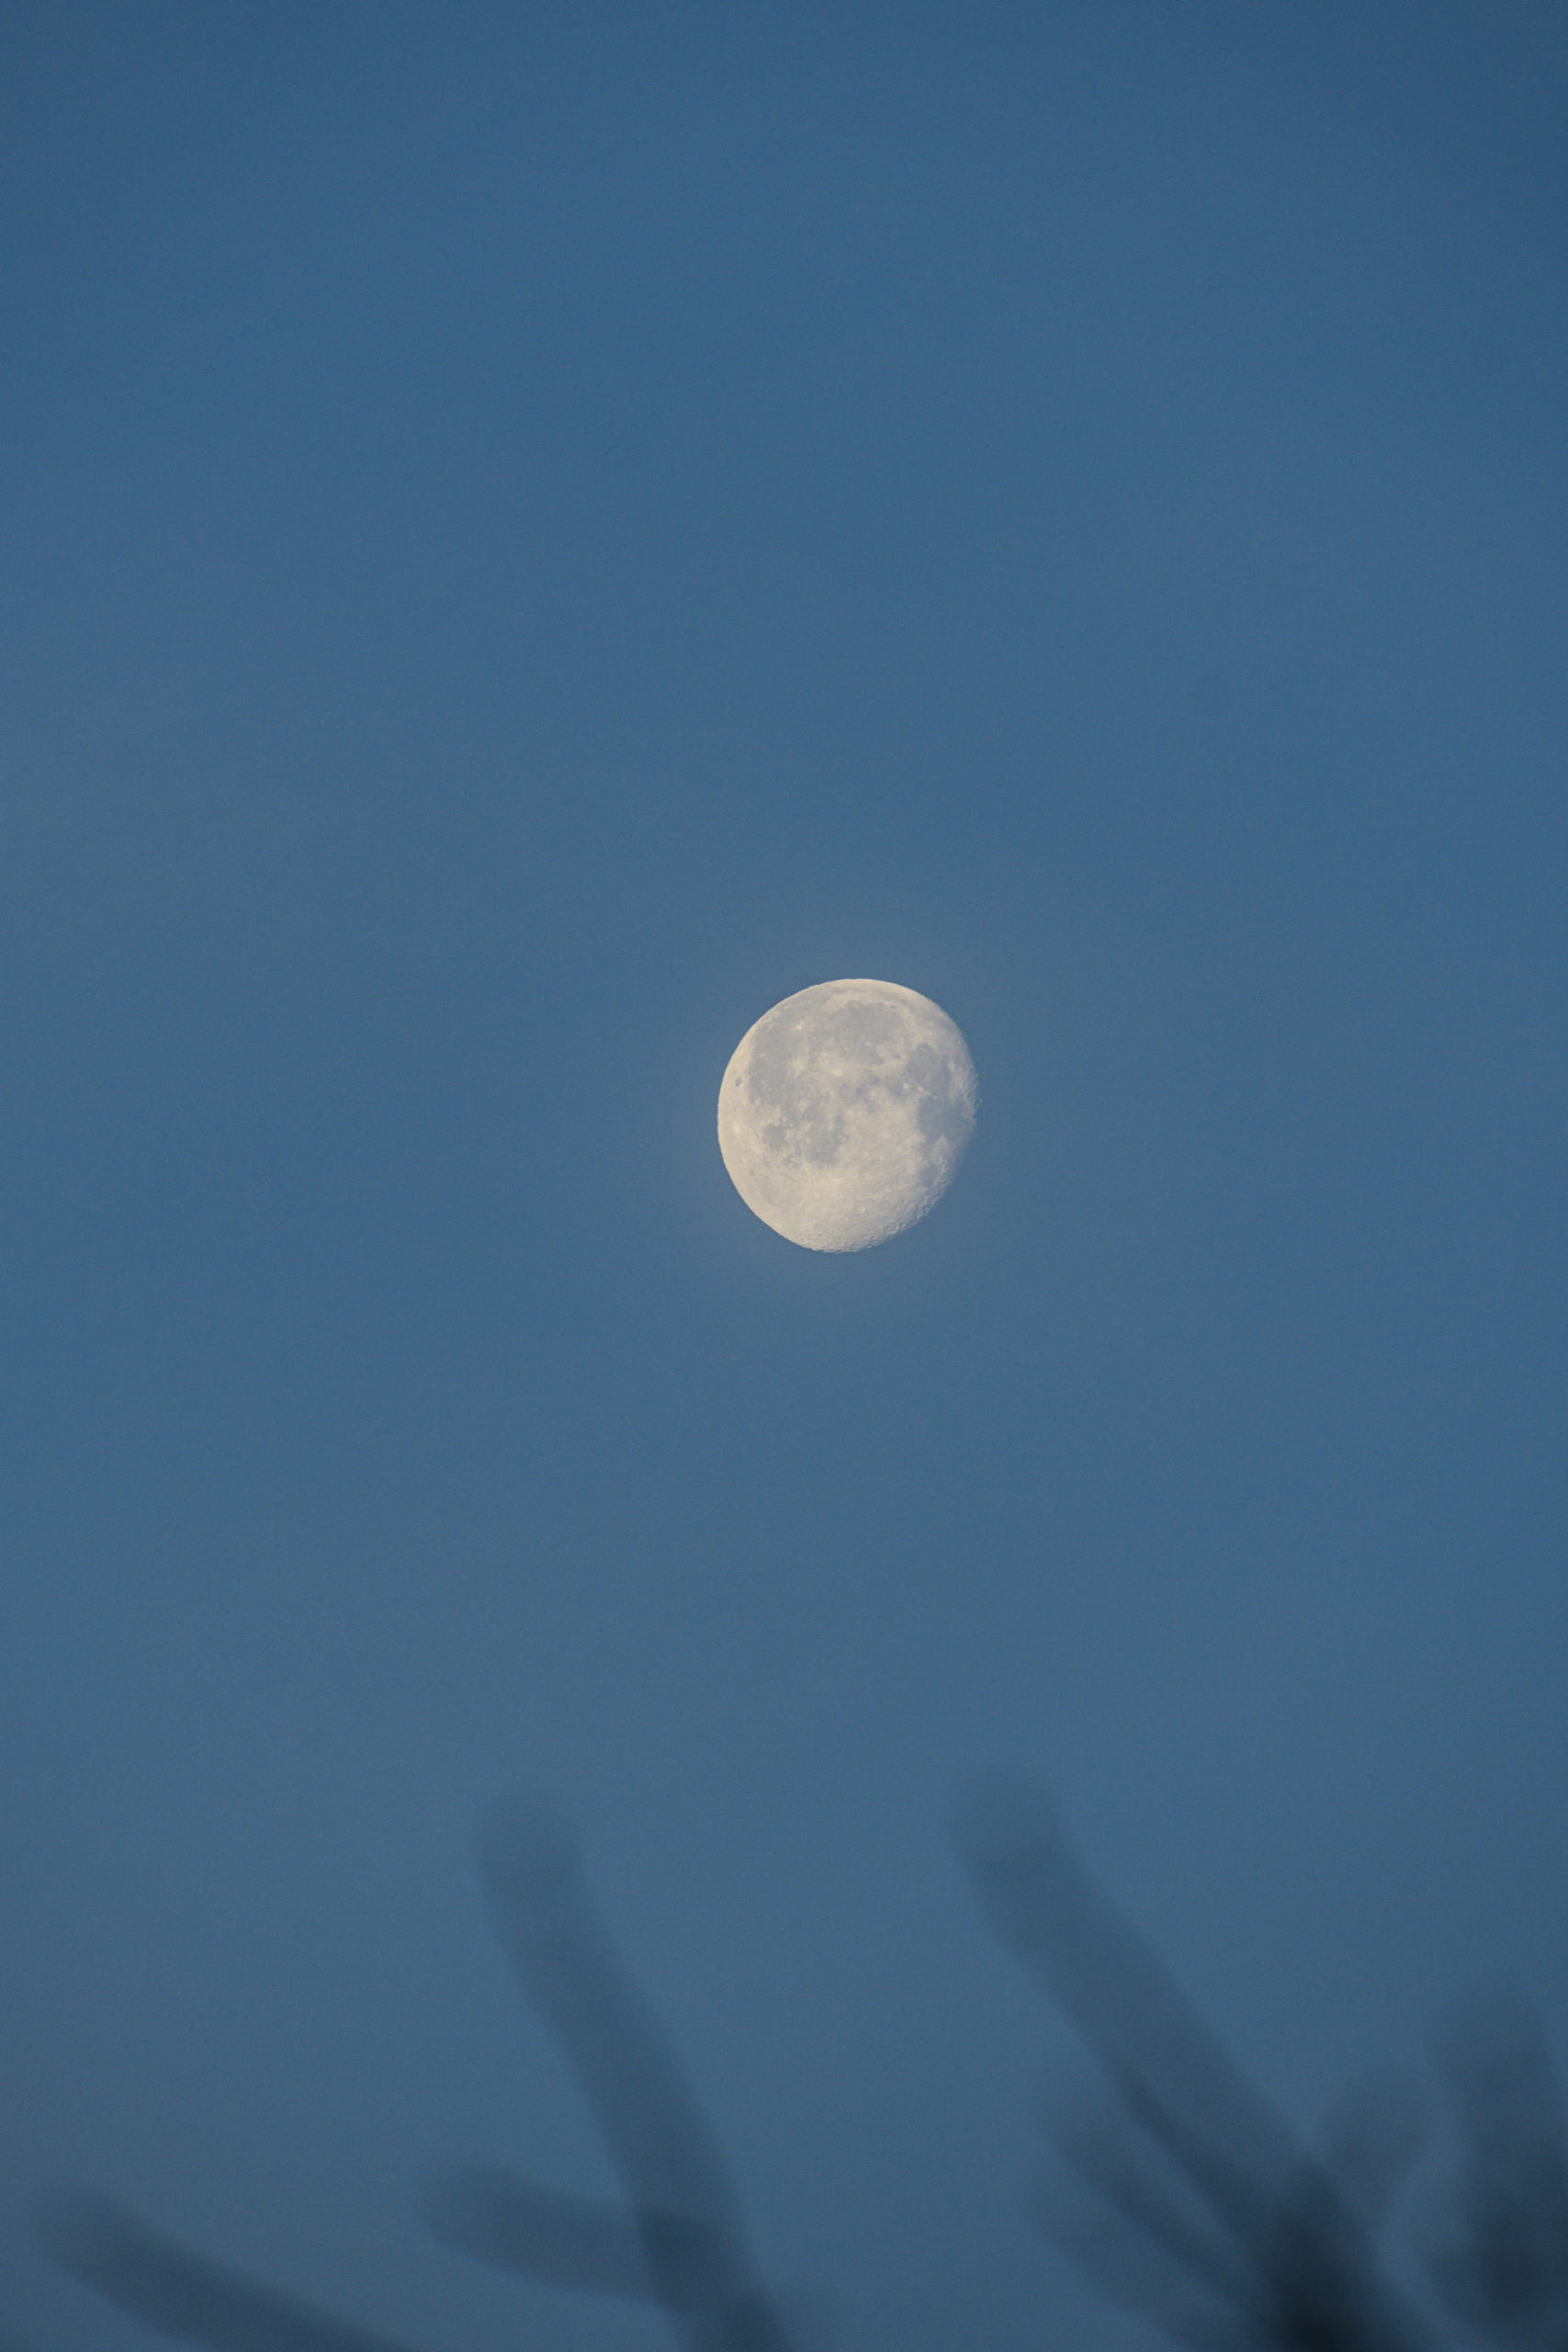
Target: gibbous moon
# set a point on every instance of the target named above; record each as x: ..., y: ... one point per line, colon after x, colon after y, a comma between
x: 845, y: 1112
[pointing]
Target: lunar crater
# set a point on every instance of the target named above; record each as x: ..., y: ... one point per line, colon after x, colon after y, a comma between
x: 845, y: 1111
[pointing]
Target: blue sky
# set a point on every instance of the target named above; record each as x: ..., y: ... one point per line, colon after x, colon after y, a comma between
x: 531, y: 534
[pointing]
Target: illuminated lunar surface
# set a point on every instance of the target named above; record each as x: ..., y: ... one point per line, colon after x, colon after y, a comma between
x: 845, y: 1112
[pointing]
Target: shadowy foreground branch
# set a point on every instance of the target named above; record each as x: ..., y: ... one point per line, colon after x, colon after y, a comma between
x: 680, y: 2241
x: 1190, y: 2200
x: 183, y: 2295
x: 1183, y: 2195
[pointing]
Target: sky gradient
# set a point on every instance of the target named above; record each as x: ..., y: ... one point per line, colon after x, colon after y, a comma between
x: 530, y: 535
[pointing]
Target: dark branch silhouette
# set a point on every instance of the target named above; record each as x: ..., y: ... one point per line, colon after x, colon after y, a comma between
x: 1205, y: 2215
x: 683, y: 2240
x: 1503, y: 2267
x: 1183, y: 2196
x: 680, y: 2241
x: 182, y: 2294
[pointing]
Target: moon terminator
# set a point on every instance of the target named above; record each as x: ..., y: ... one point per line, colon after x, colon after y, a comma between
x: 845, y: 1111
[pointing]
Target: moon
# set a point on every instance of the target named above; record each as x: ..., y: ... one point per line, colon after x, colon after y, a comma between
x: 845, y: 1111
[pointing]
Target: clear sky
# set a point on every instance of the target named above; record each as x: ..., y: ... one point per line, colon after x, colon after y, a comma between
x: 529, y: 535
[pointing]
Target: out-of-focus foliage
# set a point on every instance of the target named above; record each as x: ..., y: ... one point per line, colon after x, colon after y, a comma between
x: 680, y: 2241
x: 1183, y: 2195
x: 1502, y: 2266
x: 1186, y: 2198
